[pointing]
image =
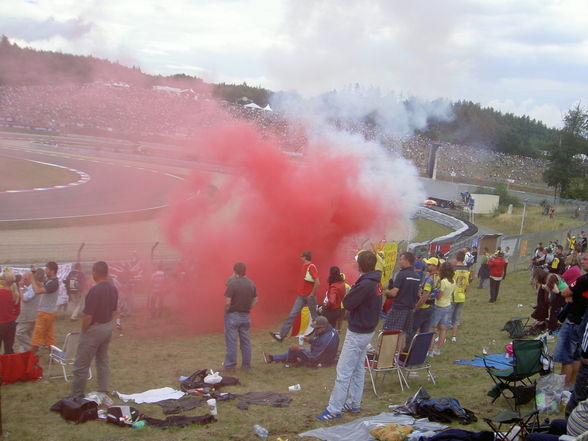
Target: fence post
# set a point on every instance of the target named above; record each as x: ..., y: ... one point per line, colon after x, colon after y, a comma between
x: 80, y: 251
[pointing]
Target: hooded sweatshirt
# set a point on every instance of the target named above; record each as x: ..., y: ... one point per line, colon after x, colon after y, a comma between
x: 364, y: 302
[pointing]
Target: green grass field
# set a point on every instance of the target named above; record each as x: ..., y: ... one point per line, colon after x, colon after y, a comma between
x: 153, y: 354
x: 426, y: 229
x: 16, y: 174
x: 535, y: 222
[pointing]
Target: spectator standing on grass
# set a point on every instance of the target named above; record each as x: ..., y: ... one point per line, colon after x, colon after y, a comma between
x: 404, y: 289
x: 156, y: 296
x: 99, y: 310
x: 240, y: 297
x: 484, y: 271
x: 363, y: 303
x: 442, y: 308
x: 496, y: 271
x: 75, y: 285
x: 430, y: 287
x: 29, y: 308
x: 507, y: 254
x: 567, y: 347
x: 332, y: 306
x: 463, y: 278
x: 308, y: 283
x: 9, y: 310
x: 44, y: 333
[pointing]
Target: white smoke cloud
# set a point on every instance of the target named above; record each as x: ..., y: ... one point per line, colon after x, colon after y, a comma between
x: 336, y: 119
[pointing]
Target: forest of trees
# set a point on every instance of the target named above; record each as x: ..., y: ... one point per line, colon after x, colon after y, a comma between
x: 485, y: 127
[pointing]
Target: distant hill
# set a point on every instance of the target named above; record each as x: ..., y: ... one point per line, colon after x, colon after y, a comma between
x: 472, y: 124
x: 25, y: 67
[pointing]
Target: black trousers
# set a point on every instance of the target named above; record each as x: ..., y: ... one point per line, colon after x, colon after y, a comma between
x: 494, y: 287
x: 7, y: 333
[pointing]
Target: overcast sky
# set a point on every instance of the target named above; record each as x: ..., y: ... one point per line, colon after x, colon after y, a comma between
x: 521, y: 56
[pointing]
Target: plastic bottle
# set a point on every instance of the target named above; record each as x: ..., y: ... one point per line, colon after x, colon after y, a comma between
x: 260, y: 431
x: 138, y: 424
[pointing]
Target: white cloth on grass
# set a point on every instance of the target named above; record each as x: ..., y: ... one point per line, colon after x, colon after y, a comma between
x: 152, y: 395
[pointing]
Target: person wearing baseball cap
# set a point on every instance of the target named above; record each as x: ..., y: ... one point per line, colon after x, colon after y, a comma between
x: 324, y: 342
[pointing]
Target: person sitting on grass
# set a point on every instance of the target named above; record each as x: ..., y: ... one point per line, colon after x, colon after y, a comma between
x: 323, y: 347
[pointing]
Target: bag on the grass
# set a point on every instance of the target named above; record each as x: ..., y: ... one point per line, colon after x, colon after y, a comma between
x: 445, y: 410
x: 123, y: 416
x: 549, y: 390
x: 514, y: 328
x: 76, y: 409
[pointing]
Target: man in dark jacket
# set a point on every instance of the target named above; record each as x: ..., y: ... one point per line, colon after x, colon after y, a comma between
x: 323, y: 347
x: 363, y: 302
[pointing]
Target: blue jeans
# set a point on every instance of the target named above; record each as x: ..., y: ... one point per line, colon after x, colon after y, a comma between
x: 421, y: 320
x: 237, y: 323
x: 301, y: 302
x: 350, y: 372
x: 567, y: 348
x: 293, y: 356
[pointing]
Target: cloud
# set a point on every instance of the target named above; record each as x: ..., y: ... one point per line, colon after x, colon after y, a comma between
x: 28, y: 29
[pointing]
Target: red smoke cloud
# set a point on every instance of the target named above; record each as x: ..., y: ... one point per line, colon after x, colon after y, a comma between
x: 264, y: 211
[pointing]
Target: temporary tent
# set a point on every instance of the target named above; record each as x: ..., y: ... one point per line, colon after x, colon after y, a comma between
x: 253, y: 106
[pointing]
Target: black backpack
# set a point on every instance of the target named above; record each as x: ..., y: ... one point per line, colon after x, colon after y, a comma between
x: 123, y: 416
x: 76, y: 409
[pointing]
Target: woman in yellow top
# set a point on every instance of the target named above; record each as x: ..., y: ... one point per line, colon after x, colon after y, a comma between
x: 442, y: 309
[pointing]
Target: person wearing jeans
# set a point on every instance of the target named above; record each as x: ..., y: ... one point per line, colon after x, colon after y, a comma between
x: 308, y: 283
x: 241, y: 296
x: 363, y: 302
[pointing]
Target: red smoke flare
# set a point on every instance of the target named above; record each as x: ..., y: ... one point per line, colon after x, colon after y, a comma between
x: 264, y: 212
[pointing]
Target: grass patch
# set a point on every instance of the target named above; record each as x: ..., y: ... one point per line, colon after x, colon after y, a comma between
x: 18, y: 174
x: 426, y: 229
x: 535, y: 222
x: 154, y: 353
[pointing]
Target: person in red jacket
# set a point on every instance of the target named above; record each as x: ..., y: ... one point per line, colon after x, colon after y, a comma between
x: 496, y: 266
x: 9, y: 310
x: 332, y: 308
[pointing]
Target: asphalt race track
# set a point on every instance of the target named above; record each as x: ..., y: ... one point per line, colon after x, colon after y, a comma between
x: 112, y: 189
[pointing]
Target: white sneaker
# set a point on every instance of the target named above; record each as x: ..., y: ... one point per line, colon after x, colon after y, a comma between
x: 453, y: 339
x: 436, y: 352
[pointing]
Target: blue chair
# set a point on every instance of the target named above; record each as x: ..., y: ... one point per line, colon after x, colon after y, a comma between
x: 415, y: 359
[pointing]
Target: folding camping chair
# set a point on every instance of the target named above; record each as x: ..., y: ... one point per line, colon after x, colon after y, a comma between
x: 65, y: 357
x: 509, y: 425
x: 385, y: 358
x: 416, y: 358
x: 516, y: 378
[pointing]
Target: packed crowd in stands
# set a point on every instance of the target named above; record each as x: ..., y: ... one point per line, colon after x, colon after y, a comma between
x: 118, y: 109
